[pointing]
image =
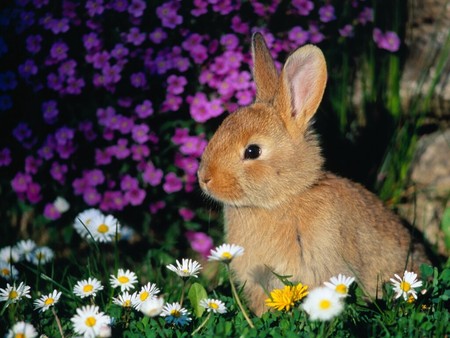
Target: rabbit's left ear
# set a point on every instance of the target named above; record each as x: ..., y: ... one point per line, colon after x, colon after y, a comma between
x: 301, y: 88
x: 265, y: 74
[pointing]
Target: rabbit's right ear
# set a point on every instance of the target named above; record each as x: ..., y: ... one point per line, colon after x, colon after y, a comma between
x: 265, y: 74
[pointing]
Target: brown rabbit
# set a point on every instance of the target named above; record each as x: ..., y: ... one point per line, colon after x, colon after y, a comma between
x: 264, y: 164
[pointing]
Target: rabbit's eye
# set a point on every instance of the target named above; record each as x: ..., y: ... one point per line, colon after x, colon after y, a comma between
x: 252, y: 152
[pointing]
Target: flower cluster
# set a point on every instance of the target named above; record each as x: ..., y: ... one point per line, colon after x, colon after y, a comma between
x: 121, y: 94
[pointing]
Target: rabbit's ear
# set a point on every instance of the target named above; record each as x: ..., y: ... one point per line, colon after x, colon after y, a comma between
x: 302, y: 85
x: 264, y: 72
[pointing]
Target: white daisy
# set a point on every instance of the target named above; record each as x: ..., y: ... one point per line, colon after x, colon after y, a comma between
x: 152, y: 307
x: 124, y: 279
x: 23, y: 330
x: 340, y: 284
x: 61, y: 204
x: 83, y: 219
x: 41, y: 255
x: 322, y: 303
x: 14, y: 294
x: 213, y: 305
x: 226, y: 252
x: 9, y: 254
x: 147, y: 292
x: 405, y: 286
x: 175, y: 314
x: 188, y: 268
x: 8, y: 271
x: 87, y: 287
x: 45, y: 302
x: 104, y: 228
x: 89, y: 321
x: 125, y: 299
x: 25, y: 248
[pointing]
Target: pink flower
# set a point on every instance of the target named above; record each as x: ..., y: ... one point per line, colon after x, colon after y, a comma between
x: 145, y: 109
x: 34, y: 192
x: 140, y: 133
x: 186, y: 213
x: 315, y: 36
x: 193, y: 145
x: 304, y: 7
x: 388, y: 41
x: 346, y: 31
x: 175, y: 84
x: 152, y: 175
x: 326, y: 13
x: 200, y: 242
x: 229, y: 41
x: 298, y: 35
x: 21, y: 182
x: 91, y: 196
x: 135, y: 196
x: 155, y: 207
x: 172, y: 183
x: 365, y: 16
x: 51, y: 212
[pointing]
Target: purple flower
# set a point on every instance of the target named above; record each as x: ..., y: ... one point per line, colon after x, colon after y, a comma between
x: 172, y: 183
x: 145, y: 109
x: 229, y: 41
x: 181, y: 134
x: 32, y: 164
x: 54, y: 82
x: 22, y: 132
x: 188, y: 164
x: 113, y: 200
x: 34, y: 192
x: 365, y: 16
x: 91, y: 41
x: 119, y: 51
x: 5, y: 157
x: 28, y: 68
x: 94, y: 177
x: 388, y: 41
x: 51, y: 212
x: 155, y: 207
x: 128, y: 182
x: 171, y: 103
x: 94, y: 7
x: 100, y: 59
x: 58, y: 172
x: 91, y: 196
x: 120, y: 151
x: 239, y: 26
x: 63, y: 135
x: 193, y: 145
x: 186, y: 214
x: 50, y: 111
x: 59, y: 50
x: 202, y: 110
x: 326, y: 13
x: 167, y: 13
x: 67, y: 68
x: 112, y: 73
x: 33, y: 43
x: 5, y: 102
x: 200, y: 242
x: 176, y: 84
x: 21, y: 182
x: 135, y: 36
x: 157, y: 36
x: 298, y: 35
x: 102, y: 157
x: 135, y: 196
x: 119, y: 5
x: 136, y: 8
x: 304, y: 7
x: 59, y: 26
x: 346, y: 31
x: 138, y: 80
x: 140, y: 133
x: 315, y: 36
x: 79, y: 186
x: 139, y: 152
x: 152, y: 175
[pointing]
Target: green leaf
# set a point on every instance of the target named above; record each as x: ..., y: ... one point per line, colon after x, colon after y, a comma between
x: 196, y: 293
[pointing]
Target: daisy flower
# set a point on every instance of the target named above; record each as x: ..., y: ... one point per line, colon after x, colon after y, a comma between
x: 188, y: 268
x: 226, y: 252
x: 104, y: 228
x: 8, y: 271
x: 323, y: 303
x: 124, y: 300
x: 83, y: 220
x: 213, y: 305
x: 124, y: 279
x: 89, y: 321
x: 405, y: 286
x: 40, y: 255
x: 13, y: 294
x: 175, y: 314
x: 147, y: 292
x: 340, y: 284
x: 152, y: 307
x: 45, y: 302
x: 22, y: 329
x: 9, y: 254
x: 87, y: 287
x: 286, y: 298
x: 25, y: 248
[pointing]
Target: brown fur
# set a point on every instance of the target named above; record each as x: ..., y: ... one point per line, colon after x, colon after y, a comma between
x: 290, y: 216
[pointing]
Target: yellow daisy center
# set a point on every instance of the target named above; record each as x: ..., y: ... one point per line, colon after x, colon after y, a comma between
x: 186, y: 271
x: 127, y: 303
x: 405, y: 286
x: 175, y: 313
x: 40, y: 255
x: 324, y: 304
x: 90, y: 321
x: 213, y: 306
x: 143, y: 296
x: 103, y: 228
x: 19, y: 335
x: 49, y: 301
x: 123, y: 279
x: 5, y: 272
x: 13, y: 294
x: 341, y: 288
x: 88, y: 288
x: 227, y: 255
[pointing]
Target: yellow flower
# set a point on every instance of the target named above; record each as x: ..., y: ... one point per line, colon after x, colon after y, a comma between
x: 285, y: 299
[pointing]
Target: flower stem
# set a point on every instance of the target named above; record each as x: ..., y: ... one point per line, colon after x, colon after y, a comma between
x: 202, y: 324
x: 238, y: 301
x: 58, y: 322
x: 183, y: 290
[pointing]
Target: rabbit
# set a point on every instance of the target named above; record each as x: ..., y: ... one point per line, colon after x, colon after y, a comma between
x: 292, y: 217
